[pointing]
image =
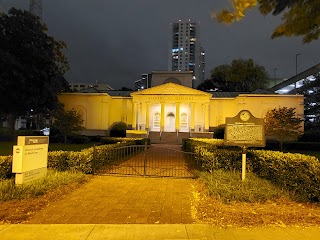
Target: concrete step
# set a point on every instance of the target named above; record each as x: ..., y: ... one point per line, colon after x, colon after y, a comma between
x: 167, y: 137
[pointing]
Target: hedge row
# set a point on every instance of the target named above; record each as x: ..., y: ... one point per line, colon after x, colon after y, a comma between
x: 5, y: 167
x: 296, y: 172
x: 71, y: 160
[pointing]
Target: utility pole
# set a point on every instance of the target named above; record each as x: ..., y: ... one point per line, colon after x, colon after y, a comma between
x: 36, y: 8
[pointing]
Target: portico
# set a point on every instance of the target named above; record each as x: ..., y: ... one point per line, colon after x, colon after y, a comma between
x: 171, y: 108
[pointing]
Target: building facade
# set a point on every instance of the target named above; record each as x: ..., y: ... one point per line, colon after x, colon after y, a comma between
x: 185, y: 50
x: 170, y: 107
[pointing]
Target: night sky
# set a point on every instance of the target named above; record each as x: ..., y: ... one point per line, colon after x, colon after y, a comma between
x: 115, y: 41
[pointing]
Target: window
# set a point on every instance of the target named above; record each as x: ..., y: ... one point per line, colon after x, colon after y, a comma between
x: 184, y: 120
x: 156, y: 120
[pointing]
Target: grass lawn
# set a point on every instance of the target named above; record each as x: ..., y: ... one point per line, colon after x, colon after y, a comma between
x: 6, y: 147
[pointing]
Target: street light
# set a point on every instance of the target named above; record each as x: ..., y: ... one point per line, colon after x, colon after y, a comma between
x: 295, y: 84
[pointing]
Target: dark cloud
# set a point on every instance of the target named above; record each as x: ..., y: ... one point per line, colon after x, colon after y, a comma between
x: 114, y: 41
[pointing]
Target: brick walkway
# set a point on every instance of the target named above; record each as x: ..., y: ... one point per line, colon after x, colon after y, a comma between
x: 160, y: 160
x: 119, y: 200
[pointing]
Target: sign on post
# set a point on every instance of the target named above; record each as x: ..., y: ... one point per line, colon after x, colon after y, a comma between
x: 30, y: 158
x: 244, y: 130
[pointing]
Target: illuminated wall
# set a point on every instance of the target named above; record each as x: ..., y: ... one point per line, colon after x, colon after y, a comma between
x: 170, y: 107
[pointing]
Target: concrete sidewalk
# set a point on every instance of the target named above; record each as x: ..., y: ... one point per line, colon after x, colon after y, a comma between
x: 152, y: 232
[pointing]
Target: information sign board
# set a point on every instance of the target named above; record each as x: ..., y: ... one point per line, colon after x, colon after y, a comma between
x: 244, y: 130
x: 30, y: 158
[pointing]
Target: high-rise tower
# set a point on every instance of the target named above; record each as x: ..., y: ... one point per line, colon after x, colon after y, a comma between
x: 185, y: 51
x: 36, y: 8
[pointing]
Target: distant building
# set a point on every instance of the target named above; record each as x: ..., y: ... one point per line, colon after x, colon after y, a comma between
x: 184, y: 78
x: 144, y: 82
x: 185, y: 50
x: 81, y: 86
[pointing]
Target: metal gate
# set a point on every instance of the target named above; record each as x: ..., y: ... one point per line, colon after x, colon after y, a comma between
x: 149, y: 160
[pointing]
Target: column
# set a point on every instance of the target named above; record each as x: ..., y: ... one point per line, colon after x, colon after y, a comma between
x: 192, y: 116
x: 147, y: 115
x: 177, y: 116
x: 162, y: 117
x: 134, y: 116
x: 206, y: 117
x: 139, y: 113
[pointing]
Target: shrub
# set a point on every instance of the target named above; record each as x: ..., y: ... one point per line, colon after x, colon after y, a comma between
x: 218, y: 133
x: 296, y: 172
x: 78, y: 139
x: 95, y: 139
x: 56, y: 138
x: 5, y: 167
x: 118, y: 130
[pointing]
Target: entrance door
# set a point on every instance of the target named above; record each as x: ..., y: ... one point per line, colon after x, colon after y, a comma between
x: 170, y: 124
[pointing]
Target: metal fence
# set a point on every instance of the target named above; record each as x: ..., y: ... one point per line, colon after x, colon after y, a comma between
x: 147, y: 160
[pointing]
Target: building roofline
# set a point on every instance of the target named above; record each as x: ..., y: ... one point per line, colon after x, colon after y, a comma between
x: 80, y: 93
x: 172, y: 72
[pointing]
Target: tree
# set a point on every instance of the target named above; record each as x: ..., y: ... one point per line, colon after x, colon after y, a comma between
x: 32, y: 65
x: 282, y: 124
x: 240, y: 75
x: 300, y: 17
x: 67, y: 122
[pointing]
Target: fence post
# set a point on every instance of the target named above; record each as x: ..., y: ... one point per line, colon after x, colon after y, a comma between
x: 94, y: 159
x: 145, y: 159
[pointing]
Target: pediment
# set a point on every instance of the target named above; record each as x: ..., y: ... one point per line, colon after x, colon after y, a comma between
x: 171, y: 89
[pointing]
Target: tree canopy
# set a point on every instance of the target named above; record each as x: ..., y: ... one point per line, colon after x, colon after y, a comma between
x: 300, y: 17
x: 241, y: 75
x: 32, y: 65
x: 67, y: 122
x: 282, y: 124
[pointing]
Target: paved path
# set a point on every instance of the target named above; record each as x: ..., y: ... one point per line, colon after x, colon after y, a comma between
x: 120, y: 200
